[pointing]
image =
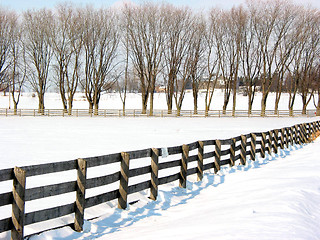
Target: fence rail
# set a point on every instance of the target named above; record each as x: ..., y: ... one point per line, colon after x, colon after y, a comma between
x: 156, y: 113
x: 226, y: 152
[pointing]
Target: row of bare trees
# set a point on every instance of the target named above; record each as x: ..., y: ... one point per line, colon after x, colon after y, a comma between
x: 262, y: 46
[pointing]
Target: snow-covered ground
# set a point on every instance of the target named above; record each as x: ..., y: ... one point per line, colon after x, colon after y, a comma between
x: 272, y: 198
x: 113, y: 101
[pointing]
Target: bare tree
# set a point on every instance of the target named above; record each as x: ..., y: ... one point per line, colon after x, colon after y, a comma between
x: 66, y: 41
x: 37, y: 24
x: 228, y: 42
x: 100, y: 41
x: 212, y: 69
x: 197, y: 66
x: 17, y: 67
x: 284, y: 28
x: 304, y: 56
x: 6, y: 29
x: 146, y: 24
x: 316, y: 86
x: 178, y: 23
x: 265, y: 15
x: 250, y: 60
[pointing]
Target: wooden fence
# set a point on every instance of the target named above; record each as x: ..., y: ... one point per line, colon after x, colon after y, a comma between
x: 156, y: 113
x: 226, y: 152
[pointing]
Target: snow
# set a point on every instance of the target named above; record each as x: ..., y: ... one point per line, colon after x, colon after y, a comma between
x: 113, y: 101
x: 272, y: 198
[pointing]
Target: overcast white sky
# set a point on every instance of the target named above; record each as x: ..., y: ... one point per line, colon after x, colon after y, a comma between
x: 194, y: 4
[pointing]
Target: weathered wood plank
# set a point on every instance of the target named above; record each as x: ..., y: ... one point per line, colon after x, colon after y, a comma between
x: 184, y: 166
x: 139, y: 187
x: 154, y: 174
x: 5, y: 224
x: 6, y: 198
x: 18, y: 203
x: 80, y: 195
x: 169, y: 179
x: 103, y: 160
x: 102, y: 198
x: 103, y: 180
x: 193, y: 158
x: 208, y: 142
x: 140, y: 154
x: 6, y: 174
x: 124, y: 179
x: 237, y: 148
x: 48, y: 214
x: 225, y: 152
x: 237, y: 138
x: 174, y: 150
x: 193, y: 146
x: 165, y: 165
x: 139, y: 171
x: 200, y: 161
x: 191, y: 171
x: 208, y: 166
x: 46, y: 168
x: 50, y: 190
x: 208, y: 155
x: 225, y: 141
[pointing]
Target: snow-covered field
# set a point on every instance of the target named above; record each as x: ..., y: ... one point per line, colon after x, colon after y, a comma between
x: 272, y: 198
x: 113, y: 101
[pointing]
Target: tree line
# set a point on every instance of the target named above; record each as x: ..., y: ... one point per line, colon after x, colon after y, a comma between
x: 263, y: 46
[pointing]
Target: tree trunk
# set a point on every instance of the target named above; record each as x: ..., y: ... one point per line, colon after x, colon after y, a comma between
x: 70, y: 102
x: 151, y: 103
x: 41, y: 104
x: 195, y: 103
x: 263, y: 104
x: 15, y: 107
x: 90, y: 107
x: 249, y: 103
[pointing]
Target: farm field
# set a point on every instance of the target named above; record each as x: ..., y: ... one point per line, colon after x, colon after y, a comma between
x: 113, y: 101
x: 242, y: 202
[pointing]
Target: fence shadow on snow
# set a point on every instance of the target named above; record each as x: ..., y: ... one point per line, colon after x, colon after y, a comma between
x: 193, y: 158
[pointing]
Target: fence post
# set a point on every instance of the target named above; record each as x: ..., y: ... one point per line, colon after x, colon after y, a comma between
x: 217, y: 153
x: 269, y: 142
x: 253, y: 146
x: 282, y: 133
x: 184, y: 166
x: 275, y: 141
x: 232, y: 151
x: 302, y: 134
x: 296, y: 134
x: 124, y: 181
x: 18, y: 203
x: 154, y: 173
x: 305, y: 133
x: 243, y: 151
x: 292, y: 135
x: 263, y: 145
x: 80, y: 199
x: 200, y: 161
x: 286, y: 137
